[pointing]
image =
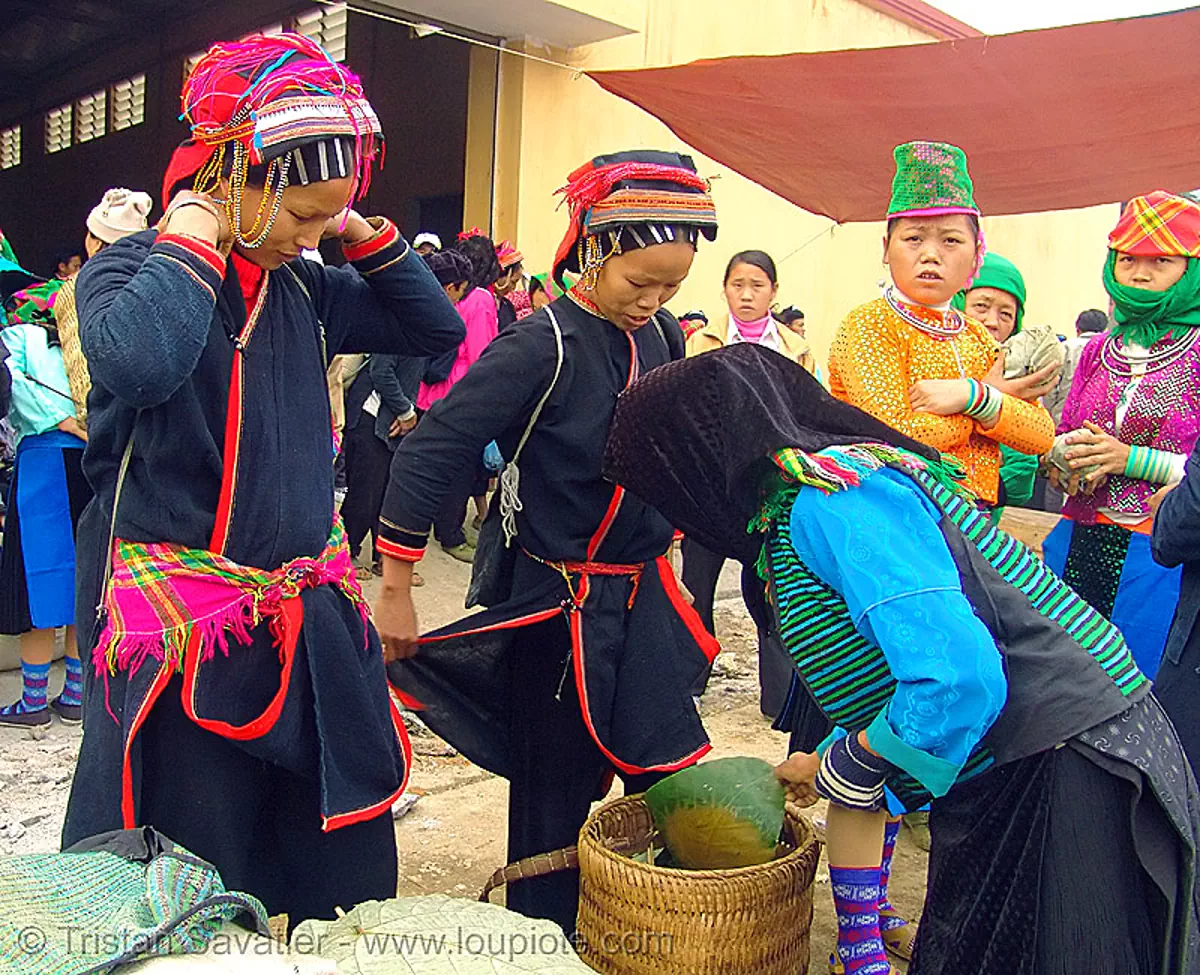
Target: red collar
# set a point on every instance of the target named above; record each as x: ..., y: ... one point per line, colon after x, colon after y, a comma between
x: 250, y: 278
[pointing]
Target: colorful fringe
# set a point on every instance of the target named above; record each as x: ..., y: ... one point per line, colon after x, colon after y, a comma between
x: 161, y: 595
x: 838, y: 468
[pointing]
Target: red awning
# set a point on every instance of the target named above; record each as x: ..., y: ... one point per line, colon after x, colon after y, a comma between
x: 1050, y: 119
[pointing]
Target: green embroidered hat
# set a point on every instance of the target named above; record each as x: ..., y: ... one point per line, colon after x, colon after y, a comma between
x: 931, y: 179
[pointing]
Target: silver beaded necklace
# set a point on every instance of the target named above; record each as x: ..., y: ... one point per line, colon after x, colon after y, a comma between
x: 953, y: 322
x: 1114, y: 359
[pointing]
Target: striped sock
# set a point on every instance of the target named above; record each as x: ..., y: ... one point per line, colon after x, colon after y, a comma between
x: 856, y: 898
x: 890, y: 833
x: 35, y: 678
x: 72, y: 693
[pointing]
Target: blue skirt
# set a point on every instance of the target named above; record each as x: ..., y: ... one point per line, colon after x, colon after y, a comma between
x: 37, y: 563
x: 1112, y: 568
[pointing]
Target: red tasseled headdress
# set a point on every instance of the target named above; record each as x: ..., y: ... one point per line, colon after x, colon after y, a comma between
x: 595, y: 203
x: 271, y: 92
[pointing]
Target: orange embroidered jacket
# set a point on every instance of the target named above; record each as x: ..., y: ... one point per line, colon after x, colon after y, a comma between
x: 877, y: 357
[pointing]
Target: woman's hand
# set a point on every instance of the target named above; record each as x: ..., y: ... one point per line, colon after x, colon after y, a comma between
x: 198, y: 215
x: 72, y: 426
x: 1029, y: 388
x: 1092, y: 447
x: 797, y: 776
x: 400, y: 426
x: 394, y: 614
x: 356, y: 227
x: 1157, y: 498
x: 942, y: 397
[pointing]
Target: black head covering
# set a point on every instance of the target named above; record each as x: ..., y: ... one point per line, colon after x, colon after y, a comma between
x: 693, y: 438
x: 449, y: 266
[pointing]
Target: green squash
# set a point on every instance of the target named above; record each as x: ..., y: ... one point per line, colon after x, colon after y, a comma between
x: 721, y: 814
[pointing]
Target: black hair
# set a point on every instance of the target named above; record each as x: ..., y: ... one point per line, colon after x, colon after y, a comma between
x: 481, y: 252
x: 1090, y: 321
x: 759, y: 259
x: 972, y: 219
x: 449, y: 267
x: 535, y: 285
x: 64, y: 255
x: 790, y: 314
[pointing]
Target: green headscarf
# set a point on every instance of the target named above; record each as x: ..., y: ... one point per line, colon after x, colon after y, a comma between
x: 999, y: 273
x: 1143, y: 317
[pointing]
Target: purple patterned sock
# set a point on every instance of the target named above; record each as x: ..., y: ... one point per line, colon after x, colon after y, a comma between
x: 72, y: 693
x: 35, y: 678
x: 890, y: 832
x: 856, y: 898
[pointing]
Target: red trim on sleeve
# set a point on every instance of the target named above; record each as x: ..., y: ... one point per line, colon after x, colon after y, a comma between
x: 387, y: 235
x: 197, y: 248
x: 403, y: 553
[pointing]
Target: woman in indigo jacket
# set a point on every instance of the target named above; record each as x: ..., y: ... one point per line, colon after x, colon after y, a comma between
x: 238, y: 701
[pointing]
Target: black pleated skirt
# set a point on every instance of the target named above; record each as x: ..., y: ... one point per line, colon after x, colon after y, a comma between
x: 1035, y: 870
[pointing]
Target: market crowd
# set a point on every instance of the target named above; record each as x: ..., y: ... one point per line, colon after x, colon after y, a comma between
x: 224, y: 415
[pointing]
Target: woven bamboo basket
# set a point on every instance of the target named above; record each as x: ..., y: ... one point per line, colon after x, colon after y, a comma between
x: 639, y: 919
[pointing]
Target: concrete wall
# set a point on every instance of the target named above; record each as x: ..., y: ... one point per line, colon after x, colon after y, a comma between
x: 562, y: 119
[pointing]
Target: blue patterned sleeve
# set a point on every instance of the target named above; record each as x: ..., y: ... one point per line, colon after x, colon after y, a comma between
x: 881, y: 548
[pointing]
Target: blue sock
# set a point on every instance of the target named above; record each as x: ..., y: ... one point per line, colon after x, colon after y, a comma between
x: 35, y: 678
x: 856, y: 898
x: 72, y: 693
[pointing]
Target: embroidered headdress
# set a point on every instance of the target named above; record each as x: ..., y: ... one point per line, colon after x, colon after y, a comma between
x: 278, y: 101
x: 508, y: 255
x: 630, y: 200
x: 931, y: 179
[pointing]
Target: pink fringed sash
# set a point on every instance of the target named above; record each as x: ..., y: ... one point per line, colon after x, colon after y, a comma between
x: 162, y: 596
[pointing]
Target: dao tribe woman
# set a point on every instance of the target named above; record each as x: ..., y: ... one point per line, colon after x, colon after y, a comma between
x: 751, y: 284
x: 919, y: 365
x: 584, y: 661
x: 1063, y: 815
x: 1131, y: 419
x: 513, y: 301
x: 239, y: 702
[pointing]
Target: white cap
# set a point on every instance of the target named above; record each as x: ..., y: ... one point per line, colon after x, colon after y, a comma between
x: 428, y: 239
x: 122, y: 212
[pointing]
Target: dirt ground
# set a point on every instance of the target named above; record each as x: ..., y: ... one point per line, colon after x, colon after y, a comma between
x: 450, y: 828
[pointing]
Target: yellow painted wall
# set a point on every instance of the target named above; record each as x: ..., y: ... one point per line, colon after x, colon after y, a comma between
x: 563, y: 119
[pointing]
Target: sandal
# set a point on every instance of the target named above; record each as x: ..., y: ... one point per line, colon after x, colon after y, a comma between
x: 837, y: 968
x: 417, y: 581
x: 900, y: 939
x: 362, y: 572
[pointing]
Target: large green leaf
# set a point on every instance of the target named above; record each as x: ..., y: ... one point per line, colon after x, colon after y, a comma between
x: 720, y: 814
x: 438, y: 935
